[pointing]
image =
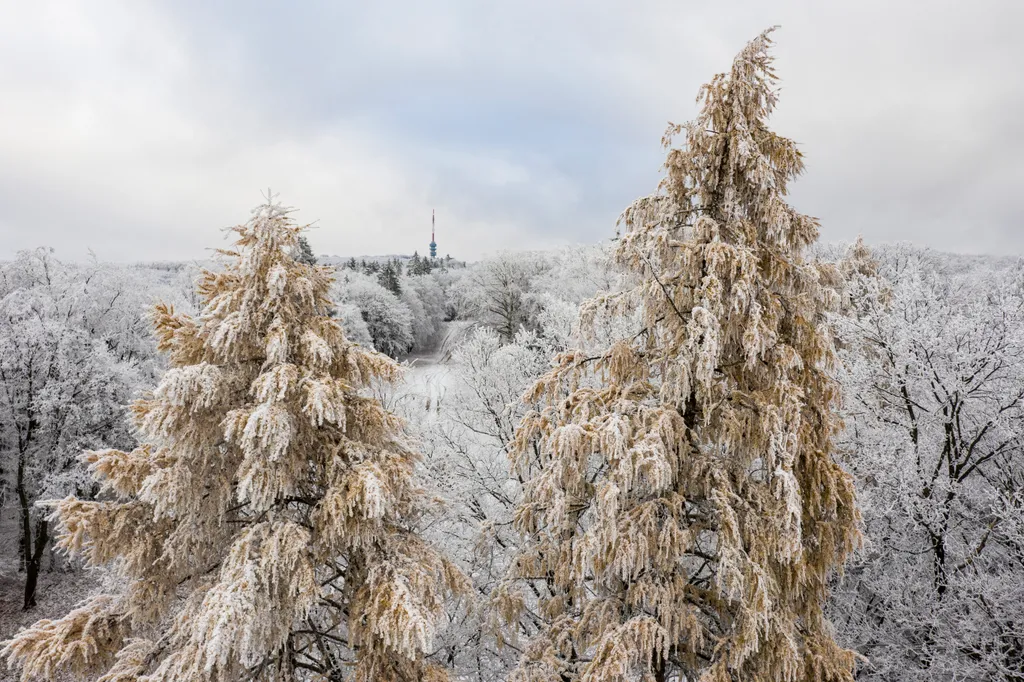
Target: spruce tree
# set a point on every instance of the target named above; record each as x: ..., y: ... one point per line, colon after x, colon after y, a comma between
x: 263, y: 530
x: 389, y: 277
x: 304, y: 252
x: 682, y: 509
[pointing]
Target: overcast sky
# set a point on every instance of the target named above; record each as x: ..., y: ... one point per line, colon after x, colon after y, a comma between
x: 137, y: 129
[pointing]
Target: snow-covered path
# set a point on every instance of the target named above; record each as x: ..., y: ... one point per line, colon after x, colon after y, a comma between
x: 428, y: 376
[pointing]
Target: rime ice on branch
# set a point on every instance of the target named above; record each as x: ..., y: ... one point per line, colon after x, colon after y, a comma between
x: 263, y: 528
x: 682, y: 508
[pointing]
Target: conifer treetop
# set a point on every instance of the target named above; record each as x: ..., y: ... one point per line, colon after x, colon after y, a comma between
x: 681, y: 507
x: 264, y: 527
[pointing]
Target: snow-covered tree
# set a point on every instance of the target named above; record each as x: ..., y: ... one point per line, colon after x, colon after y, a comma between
x: 304, y: 252
x: 390, y: 277
x: 496, y: 291
x: 467, y: 445
x: 66, y: 371
x: 423, y: 295
x: 388, y: 321
x: 575, y: 274
x: 934, y: 410
x: 351, y: 318
x: 682, y: 508
x: 262, y: 529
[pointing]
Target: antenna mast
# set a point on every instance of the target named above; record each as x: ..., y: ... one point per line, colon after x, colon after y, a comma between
x: 433, y: 244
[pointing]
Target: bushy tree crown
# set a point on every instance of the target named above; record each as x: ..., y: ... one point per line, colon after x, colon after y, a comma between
x: 263, y: 529
x: 682, y: 508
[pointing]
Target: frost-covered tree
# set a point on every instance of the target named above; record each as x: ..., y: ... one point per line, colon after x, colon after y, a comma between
x: 390, y: 277
x: 467, y: 459
x: 682, y: 509
x: 576, y: 274
x: 423, y: 295
x: 67, y: 367
x: 496, y: 291
x: 262, y: 529
x: 934, y: 409
x: 388, y: 320
x: 304, y: 252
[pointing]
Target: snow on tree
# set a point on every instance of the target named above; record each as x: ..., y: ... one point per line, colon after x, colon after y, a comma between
x: 682, y: 509
x: 467, y: 460
x: 66, y: 370
x: 423, y: 295
x: 467, y: 434
x: 304, y: 252
x: 262, y: 529
x: 388, y: 320
x: 934, y: 406
x: 496, y: 291
x: 353, y: 324
x: 576, y: 274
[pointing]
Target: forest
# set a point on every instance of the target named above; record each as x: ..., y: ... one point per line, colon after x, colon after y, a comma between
x: 710, y: 447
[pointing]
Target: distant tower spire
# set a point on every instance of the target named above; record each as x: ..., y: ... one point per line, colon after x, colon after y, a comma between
x: 433, y: 244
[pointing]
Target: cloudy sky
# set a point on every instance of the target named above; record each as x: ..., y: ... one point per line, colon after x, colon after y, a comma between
x: 137, y: 129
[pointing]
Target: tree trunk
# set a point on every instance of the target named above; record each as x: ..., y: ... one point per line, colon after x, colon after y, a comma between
x: 25, y: 535
x: 661, y: 671
x: 34, y: 561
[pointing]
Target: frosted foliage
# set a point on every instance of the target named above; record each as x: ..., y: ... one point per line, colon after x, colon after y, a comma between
x: 367, y: 307
x: 934, y: 368
x: 682, y: 511
x: 262, y: 530
x: 497, y: 291
x: 467, y: 462
x: 69, y: 360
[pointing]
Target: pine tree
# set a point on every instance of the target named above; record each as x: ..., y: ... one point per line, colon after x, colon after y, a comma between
x: 262, y: 531
x: 304, y: 252
x: 682, y: 508
x: 388, y: 277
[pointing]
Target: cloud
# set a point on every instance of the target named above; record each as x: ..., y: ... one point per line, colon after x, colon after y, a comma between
x: 139, y: 129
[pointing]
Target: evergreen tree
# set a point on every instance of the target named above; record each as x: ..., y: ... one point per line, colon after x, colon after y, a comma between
x: 682, y: 508
x: 262, y: 529
x: 352, y: 265
x: 414, y: 264
x: 304, y: 252
x: 389, y: 277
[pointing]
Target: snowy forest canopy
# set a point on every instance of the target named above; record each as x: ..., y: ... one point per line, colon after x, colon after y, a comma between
x: 939, y: 470
x: 625, y: 461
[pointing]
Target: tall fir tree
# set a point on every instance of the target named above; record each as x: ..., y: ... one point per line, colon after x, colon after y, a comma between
x: 682, y: 509
x: 263, y: 530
